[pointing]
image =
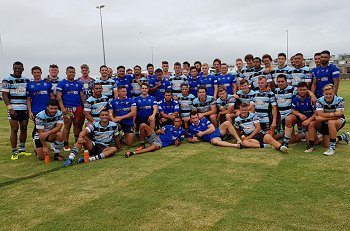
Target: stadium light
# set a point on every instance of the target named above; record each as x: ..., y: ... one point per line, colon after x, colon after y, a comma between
x: 103, y: 40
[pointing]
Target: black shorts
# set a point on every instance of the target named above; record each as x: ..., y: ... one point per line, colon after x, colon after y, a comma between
x: 126, y: 128
x: 138, y: 122
x: 324, y: 130
x: 21, y: 115
x: 260, y: 137
x: 37, y: 141
x: 96, y: 149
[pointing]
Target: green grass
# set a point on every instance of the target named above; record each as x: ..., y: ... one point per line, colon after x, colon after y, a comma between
x: 190, y: 187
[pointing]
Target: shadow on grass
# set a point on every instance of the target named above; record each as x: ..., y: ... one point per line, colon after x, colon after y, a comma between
x: 17, y: 180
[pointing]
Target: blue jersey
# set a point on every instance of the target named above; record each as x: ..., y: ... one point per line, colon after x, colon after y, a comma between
x: 125, y: 81
x: 88, y: 85
x: 45, y: 122
x: 247, y: 125
x: 151, y: 80
x: 176, y: 82
x: 298, y: 75
x: 39, y: 93
x: 185, y: 104
x: 159, y: 92
x: 263, y: 102
x: 95, y: 105
x: 324, y: 76
x: 226, y: 103
x: 304, y: 106
x: 103, y: 134
x: 209, y: 81
x: 336, y: 105
x: 284, y: 100
x: 202, y: 126
x: 168, y: 108
x: 16, y: 87
x: 108, y: 87
x: 123, y: 107
x: 194, y: 83
x: 203, y: 106
x: 227, y: 80
x: 246, y: 98
x: 171, y: 134
x: 70, y: 92
x: 284, y: 70
x: 145, y: 107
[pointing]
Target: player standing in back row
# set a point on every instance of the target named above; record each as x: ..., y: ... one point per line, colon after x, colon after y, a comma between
x: 14, y: 96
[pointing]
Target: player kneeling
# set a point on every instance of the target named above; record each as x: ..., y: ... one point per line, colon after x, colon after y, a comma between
x: 203, y: 129
x: 166, y: 136
x: 248, y: 124
x: 103, y: 132
x: 49, y: 124
x: 329, y: 119
x: 302, y: 114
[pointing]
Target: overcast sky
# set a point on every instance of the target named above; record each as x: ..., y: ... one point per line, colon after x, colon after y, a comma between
x: 67, y: 32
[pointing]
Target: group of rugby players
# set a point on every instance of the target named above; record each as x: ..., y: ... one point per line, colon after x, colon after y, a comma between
x: 255, y: 106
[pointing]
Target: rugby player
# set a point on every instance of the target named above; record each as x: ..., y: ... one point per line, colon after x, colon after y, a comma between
x: 95, y: 104
x: 168, y: 109
x: 205, y: 106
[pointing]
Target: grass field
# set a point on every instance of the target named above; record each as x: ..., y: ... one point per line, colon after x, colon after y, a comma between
x: 190, y: 187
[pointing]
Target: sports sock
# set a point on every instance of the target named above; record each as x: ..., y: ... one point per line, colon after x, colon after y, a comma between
x: 341, y: 137
x: 266, y: 145
x: 65, y: 143
x: 97, y: 157
x: 22, y: 147
x: 73, y: 153
x: 311, y: 143
x: 58, y: 146
x: 286, y: 140
x: 332, y: 144
x: 14, y: 150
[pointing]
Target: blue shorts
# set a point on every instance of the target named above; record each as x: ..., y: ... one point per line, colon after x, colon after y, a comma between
x: 216, y: 134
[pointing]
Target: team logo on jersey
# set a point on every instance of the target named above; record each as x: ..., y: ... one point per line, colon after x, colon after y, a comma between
x: 45, y: 84
x: 31, y: 86
x: 85, y: 85
x: 67, y: 85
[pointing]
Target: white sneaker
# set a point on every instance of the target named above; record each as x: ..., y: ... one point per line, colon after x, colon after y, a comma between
x: 309, y: 149
x: 284, y: 149
x: 329, y: 152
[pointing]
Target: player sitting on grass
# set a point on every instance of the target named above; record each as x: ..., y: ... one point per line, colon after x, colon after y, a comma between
x: 48, y: 124
x: 329, y: 119
x: 166, y: 136
x: 202, y: 129
x: 248, y: 124
x: 102, y: 132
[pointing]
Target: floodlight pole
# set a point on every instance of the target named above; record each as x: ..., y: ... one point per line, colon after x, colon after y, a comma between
x: 287, y: 46
x: 2, y: 57
x: 103, y: 40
